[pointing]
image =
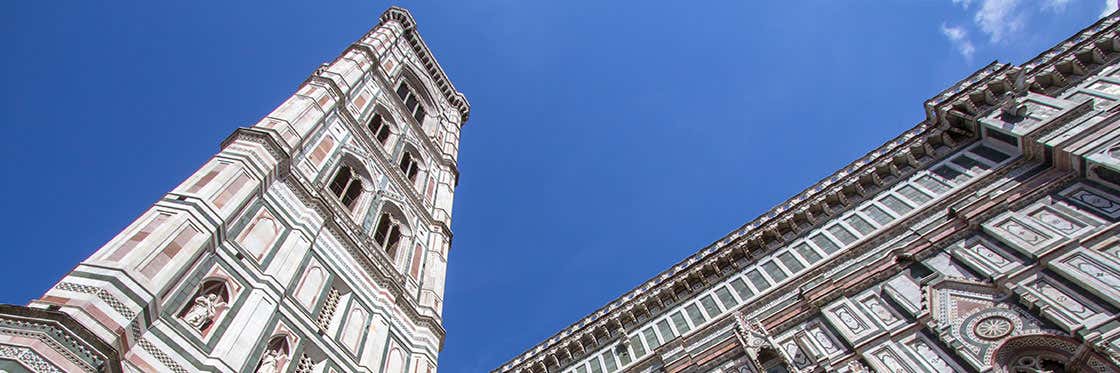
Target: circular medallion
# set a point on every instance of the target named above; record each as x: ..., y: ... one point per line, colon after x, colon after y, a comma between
x: 993, y: 327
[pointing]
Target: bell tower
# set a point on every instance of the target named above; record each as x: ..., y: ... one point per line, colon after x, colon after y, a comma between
x: 315, y: 240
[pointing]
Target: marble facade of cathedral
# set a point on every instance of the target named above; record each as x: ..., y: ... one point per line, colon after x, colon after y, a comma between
x: 983, y: 239
x: 315, y: 240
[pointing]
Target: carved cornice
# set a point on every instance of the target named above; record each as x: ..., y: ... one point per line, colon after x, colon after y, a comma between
x: 950, y: 117
x: 456, y: 98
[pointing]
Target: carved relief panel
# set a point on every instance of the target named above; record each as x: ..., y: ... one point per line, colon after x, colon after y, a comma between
x: 850, y: 320
x: 1058, y: 303
x: 929, y: 354
x: 1057, y: 218
x: 1096, y: 273
x: 797, y: 346
x: 878, y: 309
x: 1023, y: 234
x: 1094, y: 200
x: 984, y: 256
x: 814, y: 339
x: 888, y: 357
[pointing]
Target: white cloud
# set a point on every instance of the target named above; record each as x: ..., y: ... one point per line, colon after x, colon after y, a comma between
x: 999, y: 18
x: 962, y: 3
x: 959, y: 37
x: 1109, y: 7
x: 1056, y: 6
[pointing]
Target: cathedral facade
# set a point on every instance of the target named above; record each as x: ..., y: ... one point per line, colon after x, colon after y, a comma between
x: 983, y: 239
x: 315, y: 240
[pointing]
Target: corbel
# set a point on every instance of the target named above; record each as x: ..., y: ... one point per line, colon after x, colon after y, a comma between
x: 825, y: 208
x: 874, y: 177
x: 1075, y: 67
x: 947, y: 139
x: 892, y: 169
x: 841, y: 197
x: 908, y: 157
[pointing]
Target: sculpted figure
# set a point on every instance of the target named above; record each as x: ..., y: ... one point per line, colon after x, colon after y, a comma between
x: 270, y: 362
x: 203, y: 311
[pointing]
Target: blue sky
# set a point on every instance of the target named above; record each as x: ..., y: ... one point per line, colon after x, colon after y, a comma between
x: 607, y: 140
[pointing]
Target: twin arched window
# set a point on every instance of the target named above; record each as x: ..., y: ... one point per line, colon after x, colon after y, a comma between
x: 346, y: 186
x: 380, y: 128
x: 409, y: 165
x: 411, y: 102
x: 388, y: 234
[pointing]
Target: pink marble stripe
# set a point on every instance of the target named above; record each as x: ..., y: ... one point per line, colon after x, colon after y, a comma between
x: 232, y: 189
x: 182, y: 239
x: 207, y: 178
x: 138, y: 237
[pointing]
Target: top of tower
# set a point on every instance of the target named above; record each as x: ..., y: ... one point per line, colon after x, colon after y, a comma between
x: 404, y: 17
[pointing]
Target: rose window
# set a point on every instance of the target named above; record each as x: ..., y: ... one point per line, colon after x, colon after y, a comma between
x: 993, y: 327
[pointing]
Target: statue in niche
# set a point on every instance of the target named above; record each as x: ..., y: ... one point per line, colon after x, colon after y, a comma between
x: 204, y: 310
x: 207, y: 304
x: 270, y: 362
x: 274, y: 357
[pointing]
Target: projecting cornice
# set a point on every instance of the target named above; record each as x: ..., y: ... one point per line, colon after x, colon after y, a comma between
x: 456, y: 98
x: 951, y: 116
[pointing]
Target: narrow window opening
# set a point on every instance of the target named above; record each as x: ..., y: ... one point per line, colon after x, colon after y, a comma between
x: 346, y: 186
x: 379, y: 128
x: 411, y: 102
x: 388, y: 234
x: 409, y: 166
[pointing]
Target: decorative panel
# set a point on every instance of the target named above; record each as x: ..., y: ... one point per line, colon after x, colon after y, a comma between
x: 1059, y: 304
x: 984, y: 256
x: 1020, y: 233
x: 1094, y: 200
x: 1096, y: 273
x: 850, y: 321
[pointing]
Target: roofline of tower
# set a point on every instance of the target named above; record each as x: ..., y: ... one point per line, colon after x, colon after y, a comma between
x: 446, y: 87
x: 941, y: 110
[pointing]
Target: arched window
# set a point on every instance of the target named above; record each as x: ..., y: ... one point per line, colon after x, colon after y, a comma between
x: 346, y: 186
x: 411, y: 102
x: 388, y: 234
x: 208, y: 303
x: 409, y: 165
x: 380, y: 128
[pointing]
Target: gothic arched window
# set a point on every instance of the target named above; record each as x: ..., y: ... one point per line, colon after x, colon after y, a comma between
x: 380, y: 128
x: 388, y: 233
x: 346, y: 186
x: 411, y: 102
x: 409, y: 165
